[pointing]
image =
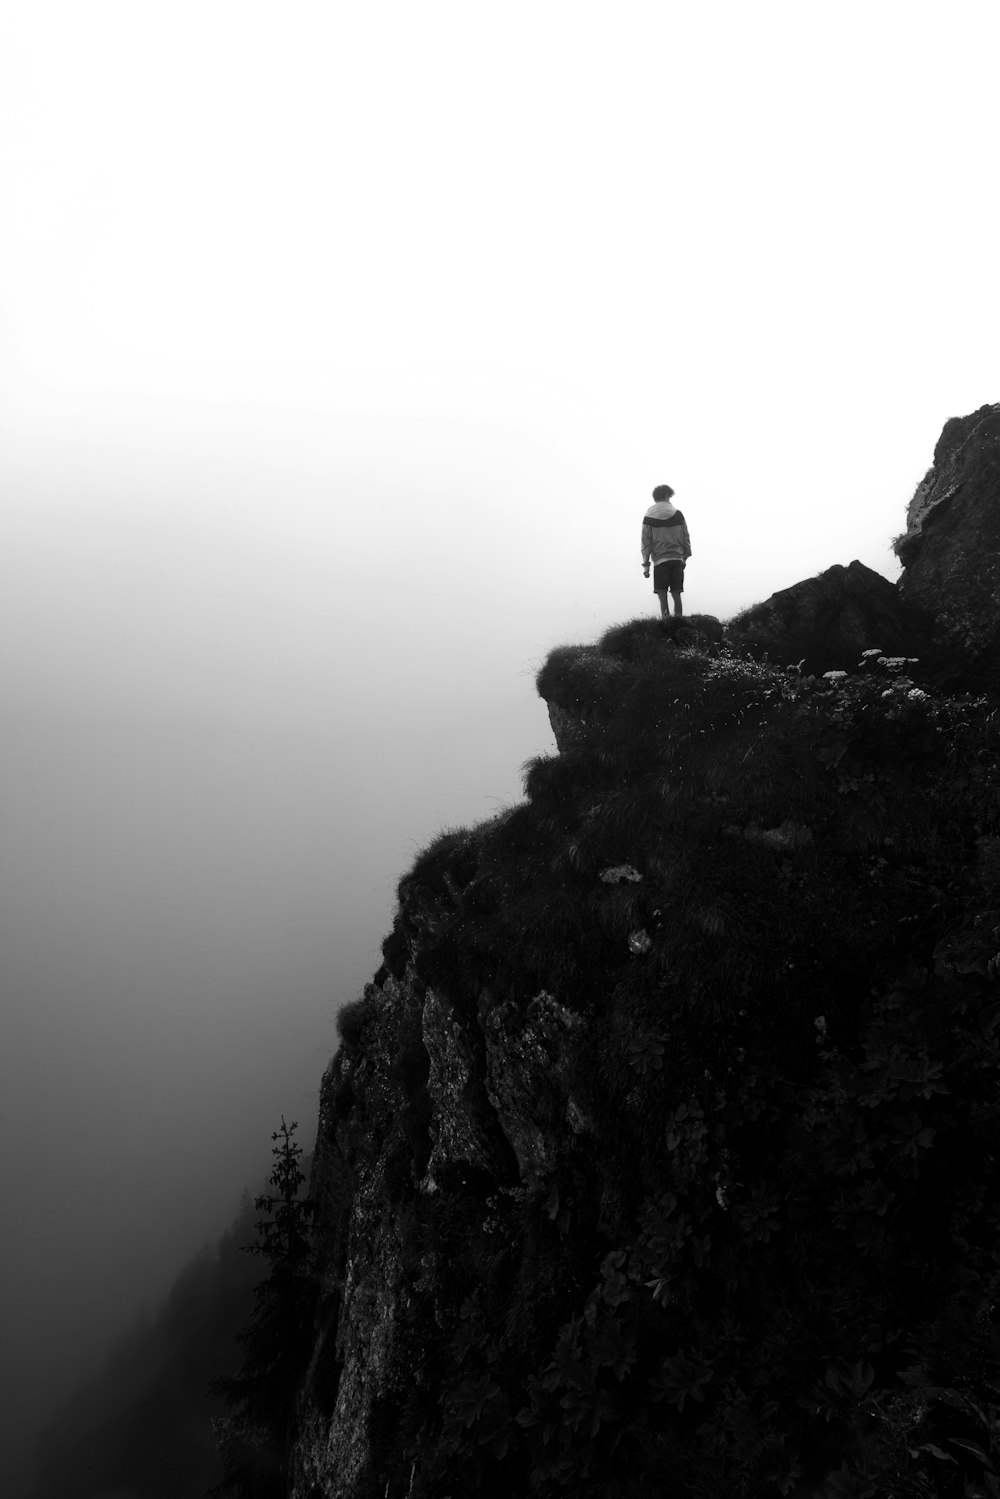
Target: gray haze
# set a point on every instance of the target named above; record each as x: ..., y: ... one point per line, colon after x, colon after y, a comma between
x: 339, y: 354
x: 235, y: 706
x: 220, y: 753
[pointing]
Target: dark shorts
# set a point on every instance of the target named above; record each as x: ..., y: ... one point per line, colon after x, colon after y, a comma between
x: 668, y: 577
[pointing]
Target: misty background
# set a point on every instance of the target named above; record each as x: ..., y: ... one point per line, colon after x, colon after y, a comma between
x: 340, y: 350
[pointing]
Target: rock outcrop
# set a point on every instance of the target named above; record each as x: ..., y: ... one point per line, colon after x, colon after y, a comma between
x: 581, y: 685
x: 951, y: 547
x: 827, y: 621
x: 663, y: 1153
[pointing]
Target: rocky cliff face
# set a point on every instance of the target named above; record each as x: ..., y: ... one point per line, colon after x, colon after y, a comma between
x: 951, y: 547
x: 661, y: 1154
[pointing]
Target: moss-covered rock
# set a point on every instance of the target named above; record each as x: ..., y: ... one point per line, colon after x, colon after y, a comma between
x: 824, y: 623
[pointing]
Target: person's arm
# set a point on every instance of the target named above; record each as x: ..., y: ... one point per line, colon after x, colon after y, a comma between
x: 647, y: 544
x: 686, y: 541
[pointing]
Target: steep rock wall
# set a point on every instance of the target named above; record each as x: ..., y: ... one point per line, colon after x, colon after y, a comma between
x: 951, y: 547
x: 496, y: 1114
x: 669, y: 1126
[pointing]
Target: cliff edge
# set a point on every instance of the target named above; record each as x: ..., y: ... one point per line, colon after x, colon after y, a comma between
x: 661, y: 1154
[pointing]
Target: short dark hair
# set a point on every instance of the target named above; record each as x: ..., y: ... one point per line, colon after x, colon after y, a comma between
x: 663, y: 492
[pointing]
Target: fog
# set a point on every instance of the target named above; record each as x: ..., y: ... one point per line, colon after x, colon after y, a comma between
x: 235, y: 708
x: 339, y: 354
x: 221, y: 753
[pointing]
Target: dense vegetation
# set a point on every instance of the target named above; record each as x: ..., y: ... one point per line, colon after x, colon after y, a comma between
x: 767, y: 1262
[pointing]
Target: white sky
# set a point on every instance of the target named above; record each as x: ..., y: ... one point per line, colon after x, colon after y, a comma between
x: 340, y: 347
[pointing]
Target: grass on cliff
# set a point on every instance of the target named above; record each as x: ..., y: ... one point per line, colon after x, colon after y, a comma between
x: 737, y: 795
x: 693, y: 762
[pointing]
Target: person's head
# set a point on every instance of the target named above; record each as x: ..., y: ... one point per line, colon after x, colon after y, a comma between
x: 663, y: 492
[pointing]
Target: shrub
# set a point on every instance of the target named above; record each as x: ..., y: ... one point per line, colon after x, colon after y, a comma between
x: 352, y: 1019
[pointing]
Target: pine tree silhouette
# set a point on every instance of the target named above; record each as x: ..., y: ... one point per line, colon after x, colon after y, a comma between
x: 255, y: 1440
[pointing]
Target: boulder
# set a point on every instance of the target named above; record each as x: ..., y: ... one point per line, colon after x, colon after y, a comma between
x: 828, y: 620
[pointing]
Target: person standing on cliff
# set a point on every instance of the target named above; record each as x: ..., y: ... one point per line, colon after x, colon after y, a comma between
x: 665, y: 540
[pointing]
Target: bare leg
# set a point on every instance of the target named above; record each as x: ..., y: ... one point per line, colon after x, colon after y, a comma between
x: 664, y: 606
x: 678, y: 606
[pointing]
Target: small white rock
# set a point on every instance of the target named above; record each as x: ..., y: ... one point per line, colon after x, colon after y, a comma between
x: 619, y: 873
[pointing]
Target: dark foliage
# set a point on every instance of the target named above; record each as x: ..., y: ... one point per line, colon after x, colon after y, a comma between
x: 352, y: 1019
x: 255, y: 1440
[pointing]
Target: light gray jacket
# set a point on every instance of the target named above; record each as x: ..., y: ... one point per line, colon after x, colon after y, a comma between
x: 664, y: 534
